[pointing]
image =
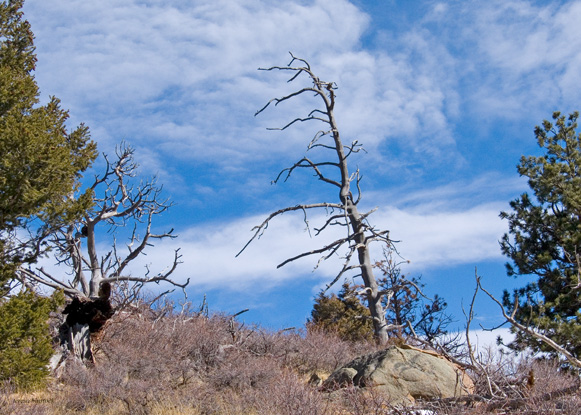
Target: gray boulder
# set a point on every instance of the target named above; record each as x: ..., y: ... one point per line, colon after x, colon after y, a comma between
x: 404, y: 374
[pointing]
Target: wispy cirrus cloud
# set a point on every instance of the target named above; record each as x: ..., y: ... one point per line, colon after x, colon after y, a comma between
x: 431, y: 237
x: 175, y: 74
x: 184, y: 78
x: 521, y: 55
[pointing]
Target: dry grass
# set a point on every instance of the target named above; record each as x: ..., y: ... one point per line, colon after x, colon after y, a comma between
x: 198, y: 365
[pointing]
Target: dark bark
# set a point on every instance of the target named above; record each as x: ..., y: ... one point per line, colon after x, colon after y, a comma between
x: 83, y: 318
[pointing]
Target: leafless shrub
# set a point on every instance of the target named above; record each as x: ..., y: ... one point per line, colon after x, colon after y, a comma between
x: 25, y: 408
x: 319, y: 350
x: 288, y: 395
x: 241, y: 372
x: 359, y: 401
x: 108, y: 390
x: 520, y: 386
x: 172, y: 345
x: 541, y: 387
x: 302, y: 351
x: 13, y: 402
x: 169, y: 362
x: 495, y: 374
x: 144, y: 359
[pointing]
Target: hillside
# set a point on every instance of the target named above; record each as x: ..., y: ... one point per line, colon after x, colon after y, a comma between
x: 161, y: 362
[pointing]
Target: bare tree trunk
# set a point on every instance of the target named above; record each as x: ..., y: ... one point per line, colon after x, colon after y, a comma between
x: 334, y: 171
x: 79, y: 342
x: 372, y: 289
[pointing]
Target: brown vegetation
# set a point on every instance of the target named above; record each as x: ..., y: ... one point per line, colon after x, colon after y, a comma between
x: 162, y: 362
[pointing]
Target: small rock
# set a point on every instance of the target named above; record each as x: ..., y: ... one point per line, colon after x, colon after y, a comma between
x: 317, y: 378
x: 341, y: 378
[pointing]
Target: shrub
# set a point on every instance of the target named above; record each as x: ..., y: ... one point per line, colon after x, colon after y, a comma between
x: 342, y: 314
x: 25, y: 342
x: 152, y: 363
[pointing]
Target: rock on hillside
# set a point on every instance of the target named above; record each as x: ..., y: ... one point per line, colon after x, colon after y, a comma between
x: 404, y: 374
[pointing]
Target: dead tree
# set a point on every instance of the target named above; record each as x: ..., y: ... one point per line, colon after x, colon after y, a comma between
x: 329, y: 165
x: 119, y: 208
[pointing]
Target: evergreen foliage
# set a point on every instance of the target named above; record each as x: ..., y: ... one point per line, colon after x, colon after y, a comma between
x: 544, y: 239
x: 346, y: 314
x: 40, y: 168
x: 25, y: 341
x: 40, y: 161
x: 342, y: 314
x: 405, y: 304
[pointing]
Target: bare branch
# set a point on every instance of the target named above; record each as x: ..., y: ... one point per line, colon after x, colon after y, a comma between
x: 359, y: 233
x: 285, y: 98
x: 333, y: 220
x: 309, y: 164
x: 310, y: 118
x: 346, y: 267
x: 117, y: 203
x: 259, y: 230
x: 510, y: 318
x: 26, y: 274
x: 331, y: 248
x: 475, y: 362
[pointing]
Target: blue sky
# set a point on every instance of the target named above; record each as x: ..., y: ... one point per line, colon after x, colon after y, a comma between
x: 444, y: 96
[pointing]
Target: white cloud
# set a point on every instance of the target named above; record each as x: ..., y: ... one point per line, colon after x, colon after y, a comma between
x: 134, y: 53
x: 180, y: 82
x: 484, y: 341
x: 184, y: 78
x: 446, y: 238
x: 391, y: 97
x: 521, y: 37
x: 430, y: 239
x: 522, y: 56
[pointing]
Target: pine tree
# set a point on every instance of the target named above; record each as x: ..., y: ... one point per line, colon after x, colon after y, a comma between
x: 342, y: 314
x: 40, y: 168
x: 25, y: 341
x: 40, y: 161
x: 544, y: 239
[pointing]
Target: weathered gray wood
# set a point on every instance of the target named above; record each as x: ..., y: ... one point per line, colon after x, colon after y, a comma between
x: 359, y: 233
x: 79, y: 342
x: 117, y: 202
